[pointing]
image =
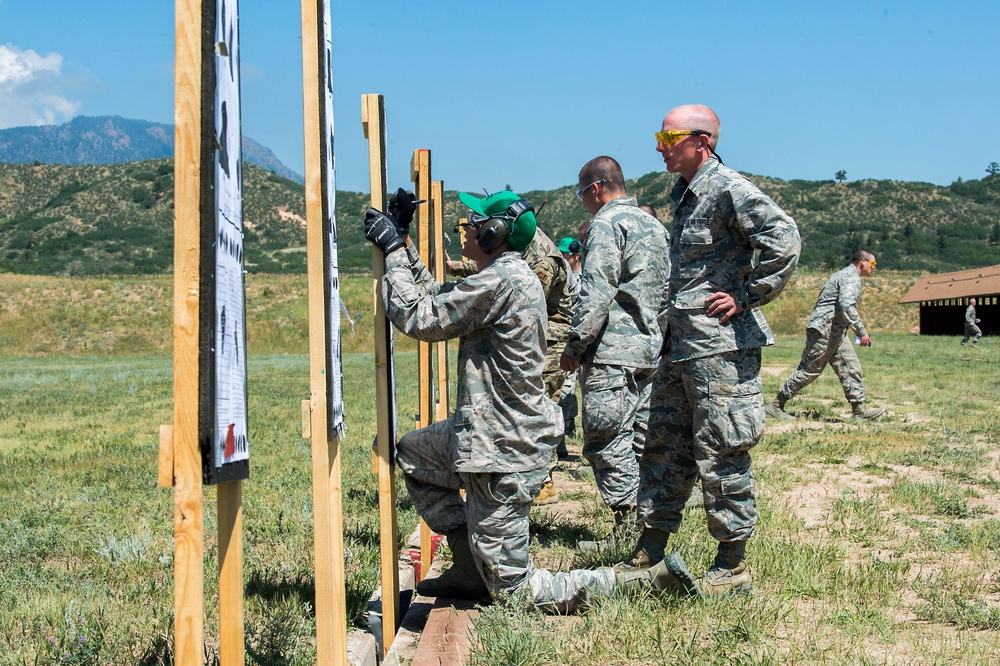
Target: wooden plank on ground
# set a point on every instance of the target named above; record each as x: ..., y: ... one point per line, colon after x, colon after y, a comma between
x: 446, y: 638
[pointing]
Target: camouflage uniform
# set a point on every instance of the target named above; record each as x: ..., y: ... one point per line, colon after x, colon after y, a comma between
x: 826, y: 339
x: 547, y: 262
x: 545, y: 259
x: 706, y: 410
x: 971, y: 330
x: 498, y: 443
x: 568, y: 403
x: 616, y: 335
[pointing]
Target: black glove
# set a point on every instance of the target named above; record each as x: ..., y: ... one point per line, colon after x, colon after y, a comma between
x: 402, y: 206
x: 383, y: 231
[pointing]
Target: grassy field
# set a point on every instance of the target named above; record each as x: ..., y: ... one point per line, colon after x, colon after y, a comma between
x: 878, y: 543
x: 86, y: 536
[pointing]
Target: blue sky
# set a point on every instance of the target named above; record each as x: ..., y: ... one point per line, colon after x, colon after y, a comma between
x: 523, y: 93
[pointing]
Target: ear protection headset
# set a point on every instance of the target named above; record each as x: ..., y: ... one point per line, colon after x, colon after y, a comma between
x: 495, y: 229
x: 575, y: 247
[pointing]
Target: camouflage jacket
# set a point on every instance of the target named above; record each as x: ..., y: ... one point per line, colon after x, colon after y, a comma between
x: 837, y: 305
x: 573, y: 284
x: 622, y: 288
x: 503, y: 420
x: 720, y: 220
x: 970, y: 315
x: 545, y: 259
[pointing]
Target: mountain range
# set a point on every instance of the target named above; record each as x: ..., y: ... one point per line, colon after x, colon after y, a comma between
x: 111, y: 140
x: 114, y: 214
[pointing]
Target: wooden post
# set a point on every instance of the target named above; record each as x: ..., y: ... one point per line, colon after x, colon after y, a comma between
x: 440, y: 253
x: 229, y: 511
x: 420, y: 174
x: 189, y: 582
x: 328, y: 521
x: 373, y: 122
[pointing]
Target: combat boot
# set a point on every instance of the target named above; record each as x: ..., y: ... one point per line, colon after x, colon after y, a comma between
x: 728, y: 573
x: 548, y: 494
x: 670, y: 575
x: 862, y: 414
x: 624, y: 524
x: 462, y: 580
x: 776, y: 408
x: 648, y: 551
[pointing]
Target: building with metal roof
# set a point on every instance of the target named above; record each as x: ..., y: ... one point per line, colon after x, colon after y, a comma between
x: 944, y: 297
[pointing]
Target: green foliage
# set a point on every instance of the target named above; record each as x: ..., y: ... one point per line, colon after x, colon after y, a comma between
x: 118, y: 219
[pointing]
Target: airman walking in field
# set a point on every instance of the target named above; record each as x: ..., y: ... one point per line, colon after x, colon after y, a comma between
x: 971, y: 329
x: 836, y: 310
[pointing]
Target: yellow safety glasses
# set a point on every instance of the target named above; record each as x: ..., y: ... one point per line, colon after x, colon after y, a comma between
x: 670, y: 137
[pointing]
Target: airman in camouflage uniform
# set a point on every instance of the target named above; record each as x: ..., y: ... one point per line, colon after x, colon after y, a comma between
x: 544, y: 258
x: 706, y: 410
x: 971, y: 329
x: 616, y: 337
x: 570, y: 248
x: 835, y: 311
x: 498, y: 443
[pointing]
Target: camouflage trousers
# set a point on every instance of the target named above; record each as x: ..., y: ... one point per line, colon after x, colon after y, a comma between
x: 495, y: 513
x: 615, y: 418
x: 552, y: 374
x: 705, y: 415
x: 972, y: 331
x: 568, y: 403
x: 824, y: 348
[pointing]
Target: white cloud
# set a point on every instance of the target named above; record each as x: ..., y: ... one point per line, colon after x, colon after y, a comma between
x: 31, y: 87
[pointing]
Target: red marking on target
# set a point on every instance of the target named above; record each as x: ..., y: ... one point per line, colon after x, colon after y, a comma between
x: 230, y: 449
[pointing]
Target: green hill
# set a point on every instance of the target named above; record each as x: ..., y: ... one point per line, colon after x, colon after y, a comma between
x: 118, y: 219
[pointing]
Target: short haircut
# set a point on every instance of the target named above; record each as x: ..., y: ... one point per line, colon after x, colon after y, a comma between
x: 604, y: 168
x: 860, y: 256
x: 649, y: 209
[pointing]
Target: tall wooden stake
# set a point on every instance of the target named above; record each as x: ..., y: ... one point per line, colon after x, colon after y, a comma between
x: 229, y: 511
x: 373, y: 122
x: 189, y: 583
x: 420, y: 174
x: 440, y: 253
x: 328, y: 520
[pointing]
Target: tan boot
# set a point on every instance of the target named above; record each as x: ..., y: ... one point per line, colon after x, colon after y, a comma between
x: 729, y: 573
x: 648, y: 551
x: 548, y: 494
x: 670, y: 575
x: 862, y: 414
x: 462, y: 580
x: 776, y: 408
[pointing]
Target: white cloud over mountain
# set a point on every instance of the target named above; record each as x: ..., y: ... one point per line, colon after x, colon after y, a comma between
x: 32, y: 88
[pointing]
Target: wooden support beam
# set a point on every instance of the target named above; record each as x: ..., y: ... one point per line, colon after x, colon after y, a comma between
x: 440, y: 253
x: 328, y: 521
x: 373, y: 122
x: 420, y: 174
x: 189, y: 582
x: 229, y: 511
